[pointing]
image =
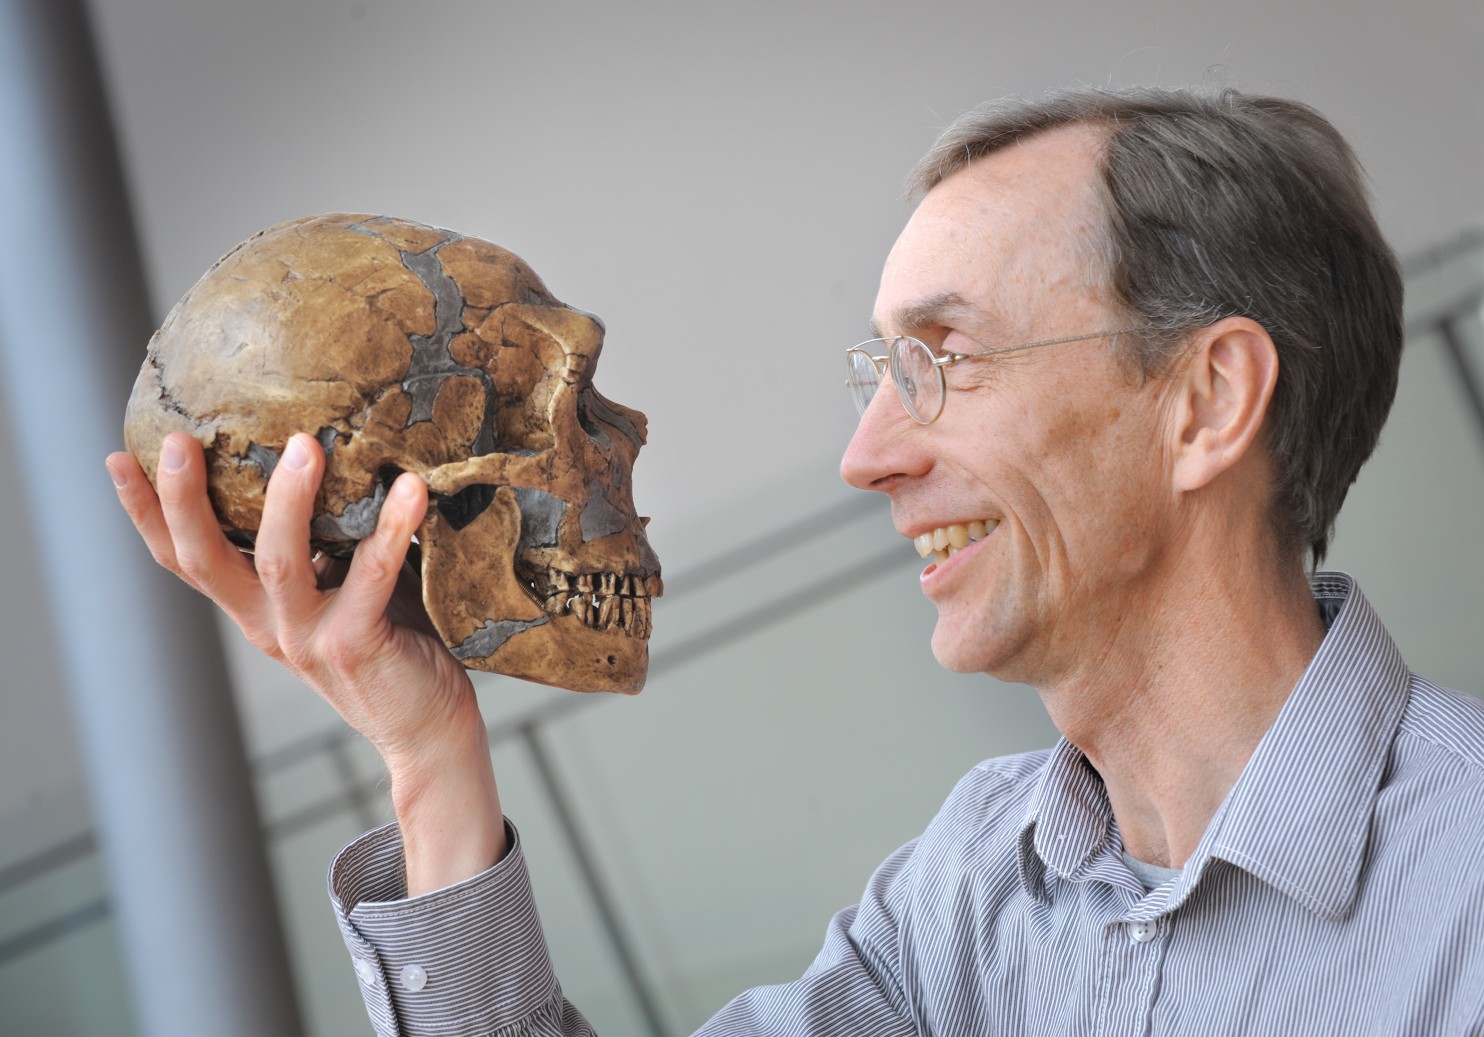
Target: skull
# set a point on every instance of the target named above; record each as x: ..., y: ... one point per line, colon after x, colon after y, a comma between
x: 403, y: 347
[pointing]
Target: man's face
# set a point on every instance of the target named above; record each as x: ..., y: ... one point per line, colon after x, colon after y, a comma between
x: 1057, y: 451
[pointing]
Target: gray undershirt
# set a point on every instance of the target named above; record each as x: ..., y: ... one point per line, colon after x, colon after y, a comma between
x: 1150, y: 876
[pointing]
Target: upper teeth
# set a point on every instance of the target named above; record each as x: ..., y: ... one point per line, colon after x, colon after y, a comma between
x: 944, y: 541
x: 600, y: 600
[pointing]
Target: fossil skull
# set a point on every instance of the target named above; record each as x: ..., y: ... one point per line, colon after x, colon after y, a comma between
x: 402, y: 347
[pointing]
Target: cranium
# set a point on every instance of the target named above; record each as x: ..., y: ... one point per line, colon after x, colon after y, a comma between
x: 403, y: 347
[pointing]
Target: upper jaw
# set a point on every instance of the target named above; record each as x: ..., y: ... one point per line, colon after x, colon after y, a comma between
x: 942, y: 542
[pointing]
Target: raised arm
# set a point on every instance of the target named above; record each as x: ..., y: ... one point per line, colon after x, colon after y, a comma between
x: 357, y: 635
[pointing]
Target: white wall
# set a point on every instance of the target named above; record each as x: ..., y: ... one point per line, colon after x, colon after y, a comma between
x: 721, y: 185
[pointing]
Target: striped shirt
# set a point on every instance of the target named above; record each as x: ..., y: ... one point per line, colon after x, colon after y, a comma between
x: 1339, y: 889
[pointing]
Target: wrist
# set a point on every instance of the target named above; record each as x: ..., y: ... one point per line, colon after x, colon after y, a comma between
x: 448, y: 807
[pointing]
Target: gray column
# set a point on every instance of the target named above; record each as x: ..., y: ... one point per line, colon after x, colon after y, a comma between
x: 171, y: 790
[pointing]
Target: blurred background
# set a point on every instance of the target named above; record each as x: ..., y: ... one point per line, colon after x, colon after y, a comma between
x: 720, y: 183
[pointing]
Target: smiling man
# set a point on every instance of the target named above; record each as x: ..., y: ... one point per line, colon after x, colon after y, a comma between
x: 1134, y: 348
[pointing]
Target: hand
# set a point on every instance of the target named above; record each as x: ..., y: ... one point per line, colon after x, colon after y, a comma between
x: 394, y: 682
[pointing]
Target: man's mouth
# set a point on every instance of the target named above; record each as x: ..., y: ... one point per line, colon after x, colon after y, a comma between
x: 946, y: 541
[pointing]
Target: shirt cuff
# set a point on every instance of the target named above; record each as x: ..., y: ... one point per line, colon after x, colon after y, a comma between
x: 463, y: 960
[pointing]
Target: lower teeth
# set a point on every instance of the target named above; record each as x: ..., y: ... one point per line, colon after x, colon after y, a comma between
x: 598, y: 601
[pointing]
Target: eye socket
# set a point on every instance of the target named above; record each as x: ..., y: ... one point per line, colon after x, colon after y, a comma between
x: 460, y: 509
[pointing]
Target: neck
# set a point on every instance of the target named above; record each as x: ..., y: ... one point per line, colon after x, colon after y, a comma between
x: 1172, y: 709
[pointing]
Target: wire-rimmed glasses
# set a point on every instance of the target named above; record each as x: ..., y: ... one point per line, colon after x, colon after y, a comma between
x: 917, y: 372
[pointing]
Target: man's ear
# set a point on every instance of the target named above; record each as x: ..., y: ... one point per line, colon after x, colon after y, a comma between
x: 1223, y: 387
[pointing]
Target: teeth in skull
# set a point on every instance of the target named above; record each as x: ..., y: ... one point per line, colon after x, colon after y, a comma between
x: 608, y: 584
x: 585, y: 583
x: 607, y: 613
x: 626, y: 614
x: 582, y: 608
x: 654, y: 585
x: 559, y: 580
x: 642, y: 617
x: 555, y: 605
x: 626, y: 588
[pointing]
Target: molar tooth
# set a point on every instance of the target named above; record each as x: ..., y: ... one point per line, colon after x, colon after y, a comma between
x: 626, y: 614
x: 607, y: 613
x: 976, y: 531
x: 924, y: 544
x: 559, y: 580
x: 581, y: 607
x: 609, y: 579
x: 940, y: 539
x: 585, y: 583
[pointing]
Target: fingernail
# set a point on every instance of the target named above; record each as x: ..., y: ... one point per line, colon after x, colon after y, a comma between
x: 118, y: 477
x: 294, y: 454
x: 172, y: 457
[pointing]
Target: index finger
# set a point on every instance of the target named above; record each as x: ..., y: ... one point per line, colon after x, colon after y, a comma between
x: 281, y: 553
x: 183, y: 480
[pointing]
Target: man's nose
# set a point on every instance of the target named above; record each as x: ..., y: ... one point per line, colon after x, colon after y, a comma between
x: 887, y: 444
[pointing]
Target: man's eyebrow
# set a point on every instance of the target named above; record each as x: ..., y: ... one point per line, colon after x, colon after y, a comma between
x: 944, y: 308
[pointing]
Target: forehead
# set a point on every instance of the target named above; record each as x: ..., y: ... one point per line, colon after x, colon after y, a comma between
x: 1007, y: 235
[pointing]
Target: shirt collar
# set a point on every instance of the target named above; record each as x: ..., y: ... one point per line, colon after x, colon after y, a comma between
x: 1299, y: 816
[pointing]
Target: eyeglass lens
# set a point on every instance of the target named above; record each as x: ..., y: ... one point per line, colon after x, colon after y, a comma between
x: 916, y: 379
x: 865, y: 379
x: 912, y: 373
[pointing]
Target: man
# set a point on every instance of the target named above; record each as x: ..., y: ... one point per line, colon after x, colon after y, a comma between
x: 1135, y: 349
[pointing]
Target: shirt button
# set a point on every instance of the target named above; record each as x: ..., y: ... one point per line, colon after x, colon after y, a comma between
x: 1142, y: 932
x: 414, y: 978
x: 366, y: 971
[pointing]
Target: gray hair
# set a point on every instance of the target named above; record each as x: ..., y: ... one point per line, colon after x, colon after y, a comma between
x: 1225, y: 204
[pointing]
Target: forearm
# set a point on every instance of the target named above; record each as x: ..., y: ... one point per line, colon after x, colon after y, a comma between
x: 448, y: 808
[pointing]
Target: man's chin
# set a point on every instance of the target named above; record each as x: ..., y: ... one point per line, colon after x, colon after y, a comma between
x: 956, y: 653
x: 965, y: 648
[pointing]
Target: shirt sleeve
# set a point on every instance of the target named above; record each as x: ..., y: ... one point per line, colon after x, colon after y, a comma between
x: 471, y: 960
x: 465, y: 960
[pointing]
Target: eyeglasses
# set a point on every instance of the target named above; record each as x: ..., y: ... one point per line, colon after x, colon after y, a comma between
x: 917, y: 373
